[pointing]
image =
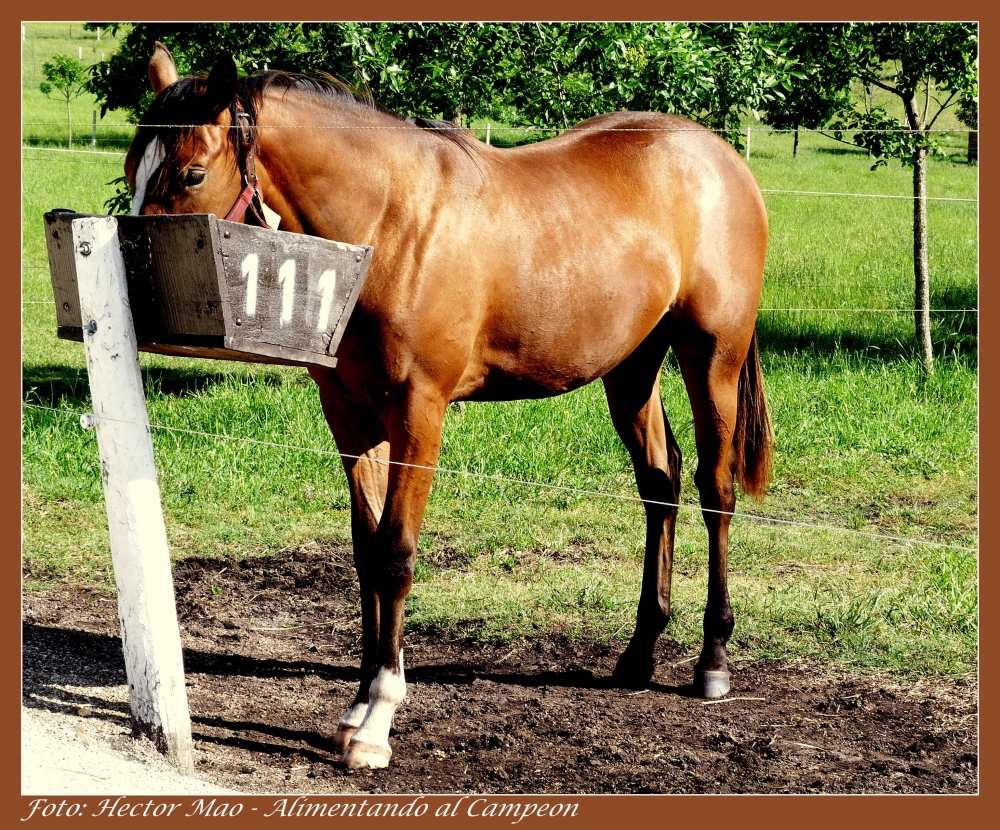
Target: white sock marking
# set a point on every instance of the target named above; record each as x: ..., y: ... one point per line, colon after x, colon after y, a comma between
x: 386, y: 693
x: 354, y: 715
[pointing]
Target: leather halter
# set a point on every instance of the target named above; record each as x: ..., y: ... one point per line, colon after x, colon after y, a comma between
x: 250, y: 197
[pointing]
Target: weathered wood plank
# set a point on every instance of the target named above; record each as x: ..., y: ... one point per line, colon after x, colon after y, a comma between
x: 224, y: 290
x: 290, y: 293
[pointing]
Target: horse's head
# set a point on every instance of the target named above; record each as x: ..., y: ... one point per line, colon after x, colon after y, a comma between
x: 183, y: 158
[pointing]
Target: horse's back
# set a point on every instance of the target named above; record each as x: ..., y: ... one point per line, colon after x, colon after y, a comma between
x: 531, y: 271
x: 584, y: 242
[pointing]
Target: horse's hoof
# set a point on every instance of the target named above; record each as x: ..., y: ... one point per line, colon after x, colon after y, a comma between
x: 360, y: 755
x: 632, y: 673
x: 343, y: 737
x: 711, y: 684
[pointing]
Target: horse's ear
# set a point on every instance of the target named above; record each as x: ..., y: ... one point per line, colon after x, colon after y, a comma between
x: 162, y: 69
x: 222, y: 83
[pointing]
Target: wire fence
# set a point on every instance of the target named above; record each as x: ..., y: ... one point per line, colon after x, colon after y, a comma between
x: 526, y: 483
x: 119, y: 159
x: 112, y: 160
x: 802, y: 309
x: 515, y: 129
x: 763, y: 310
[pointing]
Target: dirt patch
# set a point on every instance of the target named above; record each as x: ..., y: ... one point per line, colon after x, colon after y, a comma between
x: 271, y: 650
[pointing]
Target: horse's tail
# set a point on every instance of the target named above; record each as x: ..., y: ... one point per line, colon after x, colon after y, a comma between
x: 753, y: 440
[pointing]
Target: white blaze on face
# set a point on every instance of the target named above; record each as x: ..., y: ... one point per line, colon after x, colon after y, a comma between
x: 151, y: 159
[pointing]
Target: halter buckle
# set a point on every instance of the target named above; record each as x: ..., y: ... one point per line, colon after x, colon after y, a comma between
x: 242, y: 118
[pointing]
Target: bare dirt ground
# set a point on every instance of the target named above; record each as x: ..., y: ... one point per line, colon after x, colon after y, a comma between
x: 271, y: 650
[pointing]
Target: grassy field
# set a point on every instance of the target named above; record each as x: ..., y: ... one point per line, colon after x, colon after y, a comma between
x: 866, y: 443
x: 44, y: 121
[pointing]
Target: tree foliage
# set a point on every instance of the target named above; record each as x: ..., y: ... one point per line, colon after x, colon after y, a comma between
x: 930, y: 67
x: 541, y: 74
x: 821, y: 90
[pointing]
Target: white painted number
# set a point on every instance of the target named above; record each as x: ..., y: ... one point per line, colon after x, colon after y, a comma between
x: 327, y: 282
x: 248, y: 270
x: 286, y: 279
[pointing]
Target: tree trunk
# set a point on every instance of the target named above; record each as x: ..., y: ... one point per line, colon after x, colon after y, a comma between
x: 795, y: 146
x: 922, y: 304
x: 973, y: 152
x: 921, y: 274
x: 69, y: 125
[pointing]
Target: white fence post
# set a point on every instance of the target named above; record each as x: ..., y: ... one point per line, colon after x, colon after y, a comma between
x: 146, y: 608
x: 748, y: 145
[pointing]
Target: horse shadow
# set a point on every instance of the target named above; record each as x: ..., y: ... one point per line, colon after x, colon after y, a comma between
x: 55, y: 385
x: 60, y: 664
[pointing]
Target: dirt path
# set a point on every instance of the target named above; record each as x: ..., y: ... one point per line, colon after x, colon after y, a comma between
x: 536, y: 717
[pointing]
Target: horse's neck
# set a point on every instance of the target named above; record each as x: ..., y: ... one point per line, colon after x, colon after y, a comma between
x: 331, y: 167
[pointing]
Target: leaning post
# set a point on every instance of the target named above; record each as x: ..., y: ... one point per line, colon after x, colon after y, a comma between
x: 146, y: 609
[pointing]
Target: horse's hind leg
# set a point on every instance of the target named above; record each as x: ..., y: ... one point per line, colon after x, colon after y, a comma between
x: 359, y: 433
x: 633, y: 390
x: 711, y: 369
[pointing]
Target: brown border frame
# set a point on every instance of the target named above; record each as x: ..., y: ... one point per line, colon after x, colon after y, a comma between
x: 740, y: 811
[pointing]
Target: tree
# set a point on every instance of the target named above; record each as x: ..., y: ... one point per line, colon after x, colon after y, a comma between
x: 543, y: 75
x: 428, y: 69
x: 930, y: 67
x: 821, y: 90
x: 66, y: 78
x: 546, y: 75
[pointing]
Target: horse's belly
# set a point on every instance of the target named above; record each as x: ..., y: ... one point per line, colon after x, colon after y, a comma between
x: 555, y: 350
x: 500, y: 385
x: 566, y: 304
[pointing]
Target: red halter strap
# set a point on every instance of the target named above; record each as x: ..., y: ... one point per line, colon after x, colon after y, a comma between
x: 242, y: 203
x: 251, y: 189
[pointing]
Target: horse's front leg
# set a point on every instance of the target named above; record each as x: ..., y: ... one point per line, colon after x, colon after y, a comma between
x: 367, y: 477
x: 415, y: 438
x: 362, y: 439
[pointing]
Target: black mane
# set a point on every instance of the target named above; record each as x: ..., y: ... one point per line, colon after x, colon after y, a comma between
x: 179, y: 108
x: 253, y: 88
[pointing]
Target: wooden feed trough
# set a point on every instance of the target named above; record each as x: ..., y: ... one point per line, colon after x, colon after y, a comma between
x: 199, y: 286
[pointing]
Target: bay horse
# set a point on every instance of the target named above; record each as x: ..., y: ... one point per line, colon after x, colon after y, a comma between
x: 497, y: 274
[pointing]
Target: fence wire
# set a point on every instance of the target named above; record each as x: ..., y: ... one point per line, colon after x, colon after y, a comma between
x: 109, y: 163
x: 763, y: 310
x: 766, y: 191
x: 528, y: 128
x: 525, y: 483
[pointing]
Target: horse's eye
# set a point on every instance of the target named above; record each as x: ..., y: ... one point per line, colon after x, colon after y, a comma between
x: 194, y: 176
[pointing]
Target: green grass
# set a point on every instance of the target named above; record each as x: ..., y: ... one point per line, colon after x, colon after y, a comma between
x: 44, y: 122
x: 866, y: 443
